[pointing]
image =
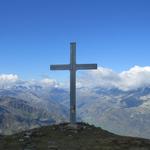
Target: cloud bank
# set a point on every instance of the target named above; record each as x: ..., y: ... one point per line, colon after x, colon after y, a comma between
x: 133, y: 78
x: 6, y: 80
x: 9, y: 80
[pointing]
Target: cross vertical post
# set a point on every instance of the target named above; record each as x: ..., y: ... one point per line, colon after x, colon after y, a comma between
x: 72, y: 83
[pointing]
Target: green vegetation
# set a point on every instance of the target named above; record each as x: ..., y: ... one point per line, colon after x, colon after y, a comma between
x: 65, y: 137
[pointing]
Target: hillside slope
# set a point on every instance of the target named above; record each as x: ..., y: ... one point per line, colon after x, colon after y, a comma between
x: 64, y: 137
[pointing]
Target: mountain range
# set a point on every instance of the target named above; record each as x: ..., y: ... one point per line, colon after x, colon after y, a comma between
x: 24, y: 106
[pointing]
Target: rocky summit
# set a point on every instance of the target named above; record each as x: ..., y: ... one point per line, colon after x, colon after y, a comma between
x: 66, y: 137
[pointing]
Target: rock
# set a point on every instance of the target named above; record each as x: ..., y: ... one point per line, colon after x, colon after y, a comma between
x: 52, y: 145
x: 21, y: 140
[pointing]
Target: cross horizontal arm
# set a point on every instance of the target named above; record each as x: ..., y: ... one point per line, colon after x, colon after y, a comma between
x: 86, y: 66
x: 60, y: 67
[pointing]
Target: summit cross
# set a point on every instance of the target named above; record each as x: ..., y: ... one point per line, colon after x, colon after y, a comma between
x: 73, y: 67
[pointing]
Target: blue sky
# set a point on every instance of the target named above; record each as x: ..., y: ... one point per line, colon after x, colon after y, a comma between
x: 36, y: 33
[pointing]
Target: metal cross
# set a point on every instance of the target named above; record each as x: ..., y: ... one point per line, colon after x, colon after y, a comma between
x: 73, y: 67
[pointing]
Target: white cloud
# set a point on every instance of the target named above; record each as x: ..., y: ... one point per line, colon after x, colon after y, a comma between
x: 49, y: 82
x: 7, y: 80
x: 135, y: 77
x: 127, y: 80
x: 8, y: 77
x: 102, y: 77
